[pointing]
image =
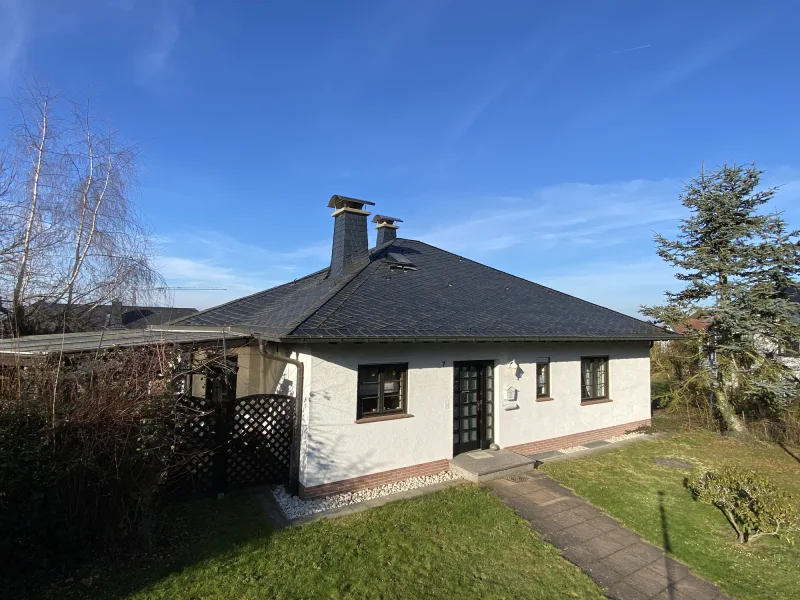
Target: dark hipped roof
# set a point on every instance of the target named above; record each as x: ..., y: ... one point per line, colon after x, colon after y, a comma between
x: 446, y: 297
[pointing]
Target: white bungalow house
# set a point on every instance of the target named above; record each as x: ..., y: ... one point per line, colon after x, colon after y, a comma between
x: 403, y: 356
x: 407, y: 355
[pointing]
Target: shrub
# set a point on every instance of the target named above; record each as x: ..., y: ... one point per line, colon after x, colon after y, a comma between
x: 86, y: 446
x: 753, y: 506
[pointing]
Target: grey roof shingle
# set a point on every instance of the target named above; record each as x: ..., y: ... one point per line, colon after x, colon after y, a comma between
x: 447, y: 296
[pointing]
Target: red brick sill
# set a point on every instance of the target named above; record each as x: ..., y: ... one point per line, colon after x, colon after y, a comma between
x: 596, y: 401
x: 382, y: 418
x: 544, y: 399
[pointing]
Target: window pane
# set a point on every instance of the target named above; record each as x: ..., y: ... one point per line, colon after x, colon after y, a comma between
x: 368, y: 389
x: 392, y: 402
x: 391, y: 387
x: 365, y: 375
x: 369, y: 405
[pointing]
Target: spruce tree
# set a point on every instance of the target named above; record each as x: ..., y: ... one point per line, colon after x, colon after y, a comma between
x: 738, y: 265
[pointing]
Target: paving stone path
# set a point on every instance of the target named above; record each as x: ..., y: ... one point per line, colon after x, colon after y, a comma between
x: 614, y: 557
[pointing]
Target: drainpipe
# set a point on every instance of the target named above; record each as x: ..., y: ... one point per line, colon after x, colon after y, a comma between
x: 294, y: 463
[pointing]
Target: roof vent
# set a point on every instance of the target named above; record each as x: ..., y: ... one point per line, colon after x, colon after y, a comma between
x: 399, y: 261
x: 387, y: 230
x: 350, y: 245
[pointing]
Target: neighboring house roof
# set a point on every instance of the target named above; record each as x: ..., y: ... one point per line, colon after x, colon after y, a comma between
x: 87, y: 317
x: 101, y: 340
x: 436, y: 295
x: 694, y: 324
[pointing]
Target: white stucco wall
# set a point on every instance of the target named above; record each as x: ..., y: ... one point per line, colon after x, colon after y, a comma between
x: 336, y: 448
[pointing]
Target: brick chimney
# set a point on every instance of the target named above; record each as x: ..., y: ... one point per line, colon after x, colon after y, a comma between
x: 350, y: 245
x: 387, y: 230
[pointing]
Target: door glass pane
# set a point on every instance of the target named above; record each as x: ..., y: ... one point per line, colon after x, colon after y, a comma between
x: 473, y: 422
x: 464, y: 437
x: 464, y: 423
x: 473, y: 436
x: 465, y: 410
x: 473, y: 383
x: 455, y: 438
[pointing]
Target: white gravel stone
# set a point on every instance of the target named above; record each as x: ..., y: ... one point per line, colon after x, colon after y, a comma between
x: 293, y: 507
x: 627, y: 436
x: 572, y: 449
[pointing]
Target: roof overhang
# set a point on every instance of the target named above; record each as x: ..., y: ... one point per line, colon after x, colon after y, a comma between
x: 33, y: 346
x: 464, y: 339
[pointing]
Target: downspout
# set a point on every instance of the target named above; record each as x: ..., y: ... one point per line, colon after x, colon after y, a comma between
x: 294, y: 462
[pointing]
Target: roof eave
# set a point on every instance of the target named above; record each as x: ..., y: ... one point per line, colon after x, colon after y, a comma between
x: 478, y: 339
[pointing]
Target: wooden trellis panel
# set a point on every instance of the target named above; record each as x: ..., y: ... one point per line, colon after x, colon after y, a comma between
x: 235, y: 443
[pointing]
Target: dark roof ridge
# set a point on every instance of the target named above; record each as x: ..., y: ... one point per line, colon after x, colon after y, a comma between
x: 253, y: 295
x: 529, y: 281
x: 340, y: 286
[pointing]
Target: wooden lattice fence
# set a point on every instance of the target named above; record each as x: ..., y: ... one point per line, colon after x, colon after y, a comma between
x: 235, y: 443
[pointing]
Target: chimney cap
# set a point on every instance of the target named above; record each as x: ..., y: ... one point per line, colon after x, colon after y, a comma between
x: 337, y: 201
x: 385, y: 219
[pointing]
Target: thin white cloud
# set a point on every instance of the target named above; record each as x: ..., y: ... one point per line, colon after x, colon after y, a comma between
x: 621, y: 285
x: 217, y: 260
x: 563, y: 215
x: 235, y: 281
x: 13, y: 38
x: 153, y: 57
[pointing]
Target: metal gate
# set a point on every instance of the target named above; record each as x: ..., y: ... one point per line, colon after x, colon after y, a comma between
x: 233, y: 443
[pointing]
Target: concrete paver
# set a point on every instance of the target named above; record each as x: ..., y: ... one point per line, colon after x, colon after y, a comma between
x: 617, y: 559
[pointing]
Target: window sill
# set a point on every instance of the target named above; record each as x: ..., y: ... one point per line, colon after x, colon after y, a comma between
x: 544, y: 399
x: 595, y: 401
x: 382, y: 418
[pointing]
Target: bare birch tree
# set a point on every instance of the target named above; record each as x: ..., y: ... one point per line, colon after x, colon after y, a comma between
x: 75, y: 240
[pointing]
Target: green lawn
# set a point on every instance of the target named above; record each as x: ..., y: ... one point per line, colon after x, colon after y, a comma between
x: 457, y: 543
x: 651, y: 500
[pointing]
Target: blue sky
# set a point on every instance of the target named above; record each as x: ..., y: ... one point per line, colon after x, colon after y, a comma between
x: 546, y: 139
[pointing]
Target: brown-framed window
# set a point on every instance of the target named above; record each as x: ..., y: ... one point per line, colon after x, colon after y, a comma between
x: 381, y: 390
x: 542, y: 379
x: 594, y: 377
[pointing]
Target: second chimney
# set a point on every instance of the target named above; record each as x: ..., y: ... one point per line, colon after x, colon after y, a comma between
x: 387, y: 230
x: 350, y: 245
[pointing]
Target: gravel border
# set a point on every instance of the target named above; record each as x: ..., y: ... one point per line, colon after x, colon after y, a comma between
x: 626, y: 436
x: 293, y: 507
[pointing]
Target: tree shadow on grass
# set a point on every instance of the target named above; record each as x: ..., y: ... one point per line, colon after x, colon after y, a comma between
x: 789, y: 452
x: 668, y: 565
x: 188, y: 534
